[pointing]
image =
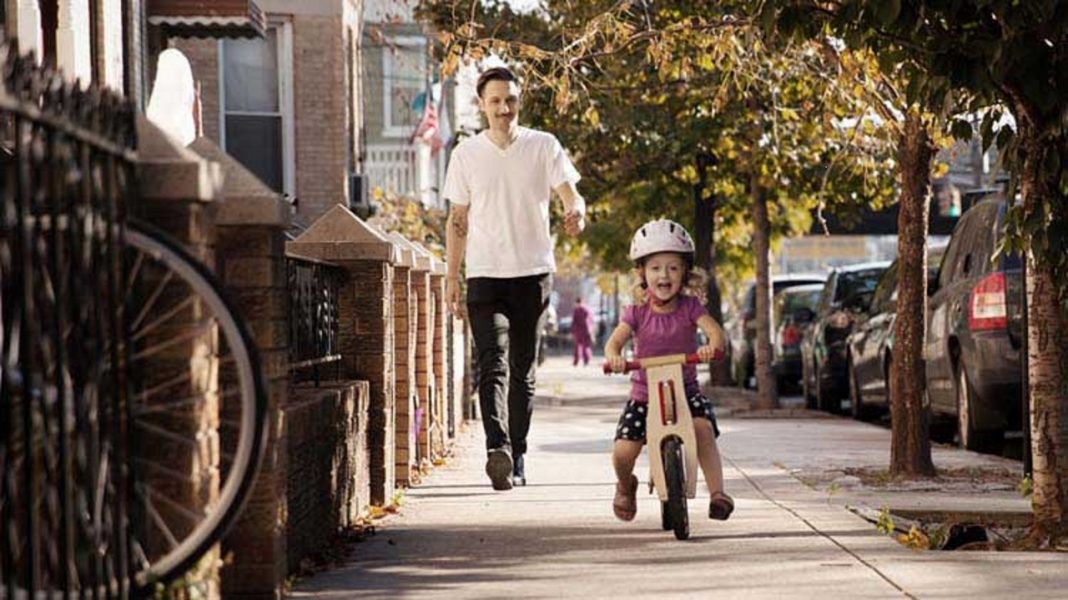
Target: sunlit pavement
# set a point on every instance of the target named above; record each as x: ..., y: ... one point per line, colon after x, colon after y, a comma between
x: 457, y: 538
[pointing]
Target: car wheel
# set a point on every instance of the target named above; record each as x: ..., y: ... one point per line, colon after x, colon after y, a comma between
x: 967, y: 436
x: 806, y: 387
x: 856, y: 403
x: 823, y: 399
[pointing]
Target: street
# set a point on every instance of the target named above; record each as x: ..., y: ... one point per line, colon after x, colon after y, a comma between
x: 456, y: 538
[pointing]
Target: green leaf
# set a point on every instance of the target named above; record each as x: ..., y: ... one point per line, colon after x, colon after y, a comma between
x: 886, y: 11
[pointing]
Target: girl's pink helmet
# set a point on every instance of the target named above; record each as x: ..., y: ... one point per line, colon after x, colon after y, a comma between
x: 661, y: 235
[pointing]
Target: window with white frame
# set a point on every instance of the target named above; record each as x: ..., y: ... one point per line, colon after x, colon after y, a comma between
x: 404, y: 78
x: 256, y: 105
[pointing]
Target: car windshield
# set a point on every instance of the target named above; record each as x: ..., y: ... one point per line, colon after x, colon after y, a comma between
x: 853, y: 283
x: 776, y: 287
x: 787, y: 303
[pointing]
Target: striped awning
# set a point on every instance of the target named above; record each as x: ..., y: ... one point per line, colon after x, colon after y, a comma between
x: 207, y: 18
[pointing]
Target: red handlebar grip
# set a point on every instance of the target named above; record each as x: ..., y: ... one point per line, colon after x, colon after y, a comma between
x: 631, y: 365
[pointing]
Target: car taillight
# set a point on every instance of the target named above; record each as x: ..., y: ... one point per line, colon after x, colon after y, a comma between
x: 988, y: 309
x: 791, y: 335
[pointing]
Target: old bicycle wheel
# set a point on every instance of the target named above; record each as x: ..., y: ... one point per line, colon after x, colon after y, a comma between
x: 197, y: 409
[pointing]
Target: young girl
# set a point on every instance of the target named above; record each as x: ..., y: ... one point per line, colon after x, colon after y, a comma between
x: 662, y: 322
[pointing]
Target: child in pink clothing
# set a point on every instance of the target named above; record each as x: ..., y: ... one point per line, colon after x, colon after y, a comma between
x: 664, y: 321
x: 580, y: 333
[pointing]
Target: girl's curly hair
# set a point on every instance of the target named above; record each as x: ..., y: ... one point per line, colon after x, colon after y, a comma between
x: 695, y: 282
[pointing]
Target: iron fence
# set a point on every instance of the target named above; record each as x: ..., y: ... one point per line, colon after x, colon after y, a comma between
x: 313, y: 317
x: 68, y: 172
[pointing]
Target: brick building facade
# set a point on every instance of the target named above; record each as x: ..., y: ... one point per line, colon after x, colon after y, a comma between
x: 297, y: 123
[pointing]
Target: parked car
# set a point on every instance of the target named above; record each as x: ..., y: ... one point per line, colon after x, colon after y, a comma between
x: 789, y: 324
x: 974, y: 329
x: 870, y: 346
x: 846, y: 293
x: 743, y: 351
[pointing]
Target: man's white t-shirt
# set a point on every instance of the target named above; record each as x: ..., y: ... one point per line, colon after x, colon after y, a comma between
x: 508, y: 192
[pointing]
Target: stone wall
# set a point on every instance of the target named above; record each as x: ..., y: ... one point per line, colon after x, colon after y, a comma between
x: 328, y: 472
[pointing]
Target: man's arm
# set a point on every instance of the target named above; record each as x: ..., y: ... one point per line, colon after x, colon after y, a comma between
x: 574, y: 208
x: 455, y: 246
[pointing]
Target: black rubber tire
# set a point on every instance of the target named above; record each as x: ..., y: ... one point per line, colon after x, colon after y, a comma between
x: 823, y: 399
x: 968, y: 437
x: 665, y: 520
x: 675, y: 476
x: 806, y: 388
x: 856, y: 401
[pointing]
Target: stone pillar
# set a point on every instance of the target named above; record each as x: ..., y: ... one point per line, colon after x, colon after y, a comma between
x: 28, y: 28
x: 250, y: 261
x: 73, y: 54
x: 439, y: 416
x: 366, y: 336
x: 405, y: 320
x: 178, y: 191
x: 424, y: 350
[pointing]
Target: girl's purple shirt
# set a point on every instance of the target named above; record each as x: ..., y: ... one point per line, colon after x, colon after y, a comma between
x: 655, y: 334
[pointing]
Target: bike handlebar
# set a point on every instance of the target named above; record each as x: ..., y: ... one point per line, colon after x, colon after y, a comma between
x: 656, y: 361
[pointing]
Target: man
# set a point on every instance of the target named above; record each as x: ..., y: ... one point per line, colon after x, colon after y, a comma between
x: 499, y: 184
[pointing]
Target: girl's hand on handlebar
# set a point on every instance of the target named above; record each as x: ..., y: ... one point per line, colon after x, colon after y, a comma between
x: 709, y: 353
x: 617, y: 364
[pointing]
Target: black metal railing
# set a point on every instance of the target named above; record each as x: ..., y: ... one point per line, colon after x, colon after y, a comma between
x: 67, y: 175
x: 313, y: 317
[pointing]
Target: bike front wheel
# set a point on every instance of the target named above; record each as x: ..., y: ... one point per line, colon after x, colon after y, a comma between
x: 675, y: 511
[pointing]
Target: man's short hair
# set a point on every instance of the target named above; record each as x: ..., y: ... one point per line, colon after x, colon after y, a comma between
x: 494, y: 74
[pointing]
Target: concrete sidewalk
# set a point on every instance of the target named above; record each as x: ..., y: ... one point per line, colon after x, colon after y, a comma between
x: 456, y: 538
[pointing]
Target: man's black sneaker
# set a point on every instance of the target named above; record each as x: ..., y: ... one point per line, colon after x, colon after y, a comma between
x: 499, y: 469
x: 519, y: 476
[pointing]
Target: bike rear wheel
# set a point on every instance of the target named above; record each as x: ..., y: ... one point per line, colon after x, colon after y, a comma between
x: 675, y: 508
x: 197, y: 410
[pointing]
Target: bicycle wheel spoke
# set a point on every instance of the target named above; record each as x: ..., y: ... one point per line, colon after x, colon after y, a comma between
x: 163, y: 318
x: 152, y: 300
x: 155, y: 409
x: 158, y: 469
x: 188, y: 335
x: 157, y: 519
x: 191, y: 516
x: 155, y: 429
x: 142, y: 398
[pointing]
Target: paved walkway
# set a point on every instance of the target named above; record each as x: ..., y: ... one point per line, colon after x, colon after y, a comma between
x: 456, y: 538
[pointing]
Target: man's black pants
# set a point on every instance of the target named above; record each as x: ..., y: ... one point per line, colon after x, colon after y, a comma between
x: 506, y: 321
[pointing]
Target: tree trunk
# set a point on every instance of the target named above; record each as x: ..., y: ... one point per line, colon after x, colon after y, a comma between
x: 910, y: 412
x: 704, y: 211
x: 704, y: 219
x: 1047, y: 342
x: 767, y: 394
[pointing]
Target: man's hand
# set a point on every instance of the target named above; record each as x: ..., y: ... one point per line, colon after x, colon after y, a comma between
x: 574, y: 222
x: 710, y: 353
x: 454, y: 298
